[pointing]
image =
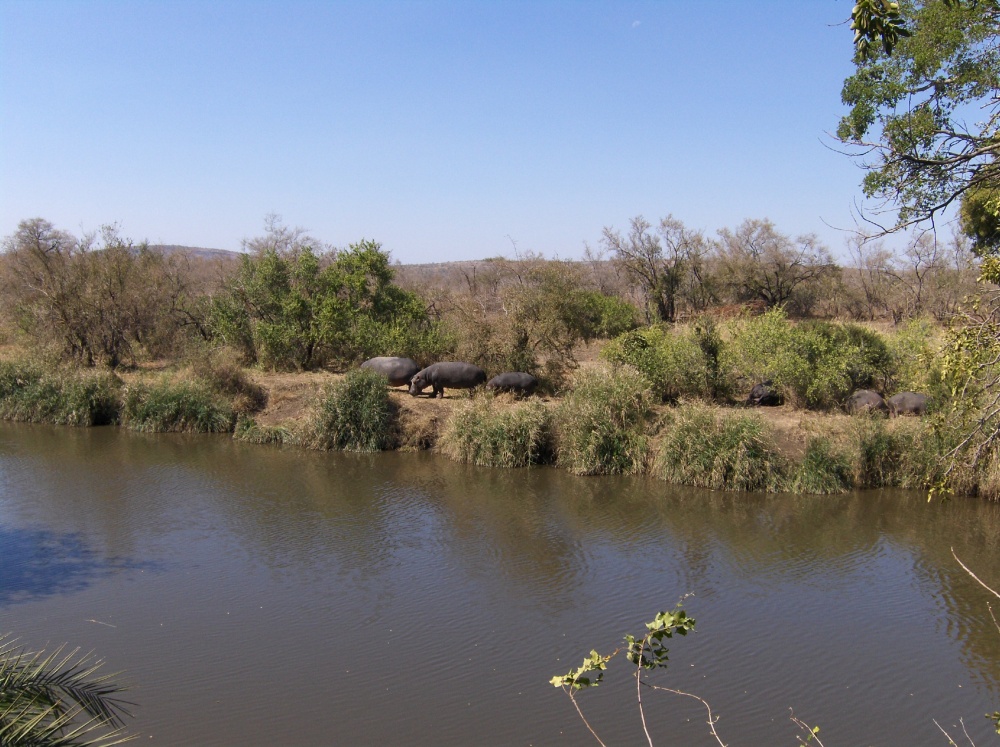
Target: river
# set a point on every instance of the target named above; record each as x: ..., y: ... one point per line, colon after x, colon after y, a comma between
x: 257, y: 595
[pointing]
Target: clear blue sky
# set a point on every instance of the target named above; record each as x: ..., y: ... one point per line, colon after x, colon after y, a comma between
x: 441, y: 129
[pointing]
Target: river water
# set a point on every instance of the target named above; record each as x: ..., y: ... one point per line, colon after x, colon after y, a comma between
x: 265, y: 596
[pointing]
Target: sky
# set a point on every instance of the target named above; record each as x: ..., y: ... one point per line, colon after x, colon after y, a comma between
x: 443, y: 130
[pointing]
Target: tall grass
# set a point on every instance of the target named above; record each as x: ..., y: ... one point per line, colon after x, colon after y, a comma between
x: 732, y: 452
x: 492, y: 431
x: 60, y: 397
x: 249, y: 431
x: 824, y: 469
x: 176, y: 406
x: 353, y: 414
x: 600, y: 426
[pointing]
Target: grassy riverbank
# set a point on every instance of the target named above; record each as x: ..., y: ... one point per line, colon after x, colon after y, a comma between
x: 608, y: 422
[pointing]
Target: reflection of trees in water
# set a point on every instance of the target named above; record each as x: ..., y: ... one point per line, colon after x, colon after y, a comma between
x: 36, y: 563
x: 542, y: 530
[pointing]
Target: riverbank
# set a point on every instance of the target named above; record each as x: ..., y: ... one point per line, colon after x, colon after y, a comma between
x: 607, y: 423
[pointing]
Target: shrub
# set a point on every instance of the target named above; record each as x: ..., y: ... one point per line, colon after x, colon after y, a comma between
x: 673, y: 362
x: 822, y: 471
x: 176, y: 406
x: 915, y: 346
x: 813, y: 364
x: 497, y: 432
x: 733, y: 452
x: 601, y: 315
x: 600, y: 426
x: 353, y: 414
x: 63, y: 397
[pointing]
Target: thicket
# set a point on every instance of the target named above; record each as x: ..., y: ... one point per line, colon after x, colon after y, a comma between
x: 813, y: 364
x: 96, y: 299
x: 289, y: 306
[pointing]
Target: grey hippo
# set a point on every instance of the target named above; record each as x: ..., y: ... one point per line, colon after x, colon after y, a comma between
x: 398, y: 371
x: 451, y: 374
x: 516, y: 382
x: 865, y: 400
x: 907, y: 403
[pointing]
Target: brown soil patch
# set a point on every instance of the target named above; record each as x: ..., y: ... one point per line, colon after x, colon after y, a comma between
x: 792, y: 428
x: 289, y: 395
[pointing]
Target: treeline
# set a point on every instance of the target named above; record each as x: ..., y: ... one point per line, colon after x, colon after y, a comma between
x: 290, y: 302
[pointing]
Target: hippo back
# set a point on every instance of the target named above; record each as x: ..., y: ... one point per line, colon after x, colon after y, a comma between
x: 399, y: 371
x: 764, y: 395
x: 448, y: 374
x: 907, y: 403
x: 514, y: 381
x: 865, y: 400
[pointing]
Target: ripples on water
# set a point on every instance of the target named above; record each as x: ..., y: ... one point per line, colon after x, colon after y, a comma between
x: 262, y: 596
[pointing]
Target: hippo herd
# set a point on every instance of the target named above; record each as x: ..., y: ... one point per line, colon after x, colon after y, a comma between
x: 862, y: 401
x: 450, y: 374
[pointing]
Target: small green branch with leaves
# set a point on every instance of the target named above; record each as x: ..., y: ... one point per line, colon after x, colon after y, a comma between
x: 645, y: 653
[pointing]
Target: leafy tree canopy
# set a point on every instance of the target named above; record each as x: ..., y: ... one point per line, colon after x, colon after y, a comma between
x: 924, y: 108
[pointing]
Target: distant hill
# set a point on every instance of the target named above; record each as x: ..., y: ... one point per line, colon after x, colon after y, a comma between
x: 194, y: 251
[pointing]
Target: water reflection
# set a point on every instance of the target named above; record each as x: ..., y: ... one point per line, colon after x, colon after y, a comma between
x: 490, y: 576
x: 37, y: 562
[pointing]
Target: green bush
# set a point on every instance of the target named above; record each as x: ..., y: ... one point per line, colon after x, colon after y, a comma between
x: 600, y: 426
x: 176, y: 406
x: 497, y: 432
x: 814, y: 364
x: 733, y: 452
x: 353, y: 414
x: 62, y: 397
x: 822, y: 471
x: 915, y: 346
x: 601, y: 315
x: 673, y: 361
x: 230, y: 380
x: 290, y: 307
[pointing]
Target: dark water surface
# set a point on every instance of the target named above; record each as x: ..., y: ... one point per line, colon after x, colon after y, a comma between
x: 259, y: 596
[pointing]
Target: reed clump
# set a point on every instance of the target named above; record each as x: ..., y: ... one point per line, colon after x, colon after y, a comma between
x: 176, y: 406
x: 61, y: 397
x: 600, y: 426
x: 703, y: 449
x: 825, y: 469
x: 497, y: 431
x: 249, y: 431
x: 353, y: 414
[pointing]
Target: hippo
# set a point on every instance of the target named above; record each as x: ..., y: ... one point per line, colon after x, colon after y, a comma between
x: 907, y: 403
x: 764, y: 395
x: 451, y: 374
x: 398, y: 371
x: 864, y: 401
x: 518, y: 383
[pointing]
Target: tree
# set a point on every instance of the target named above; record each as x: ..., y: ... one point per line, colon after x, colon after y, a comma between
x: 98, y: 300
x: 924, y: 108
x: 759, y: 263
x: 662, y: 264
x: 291, y: 306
